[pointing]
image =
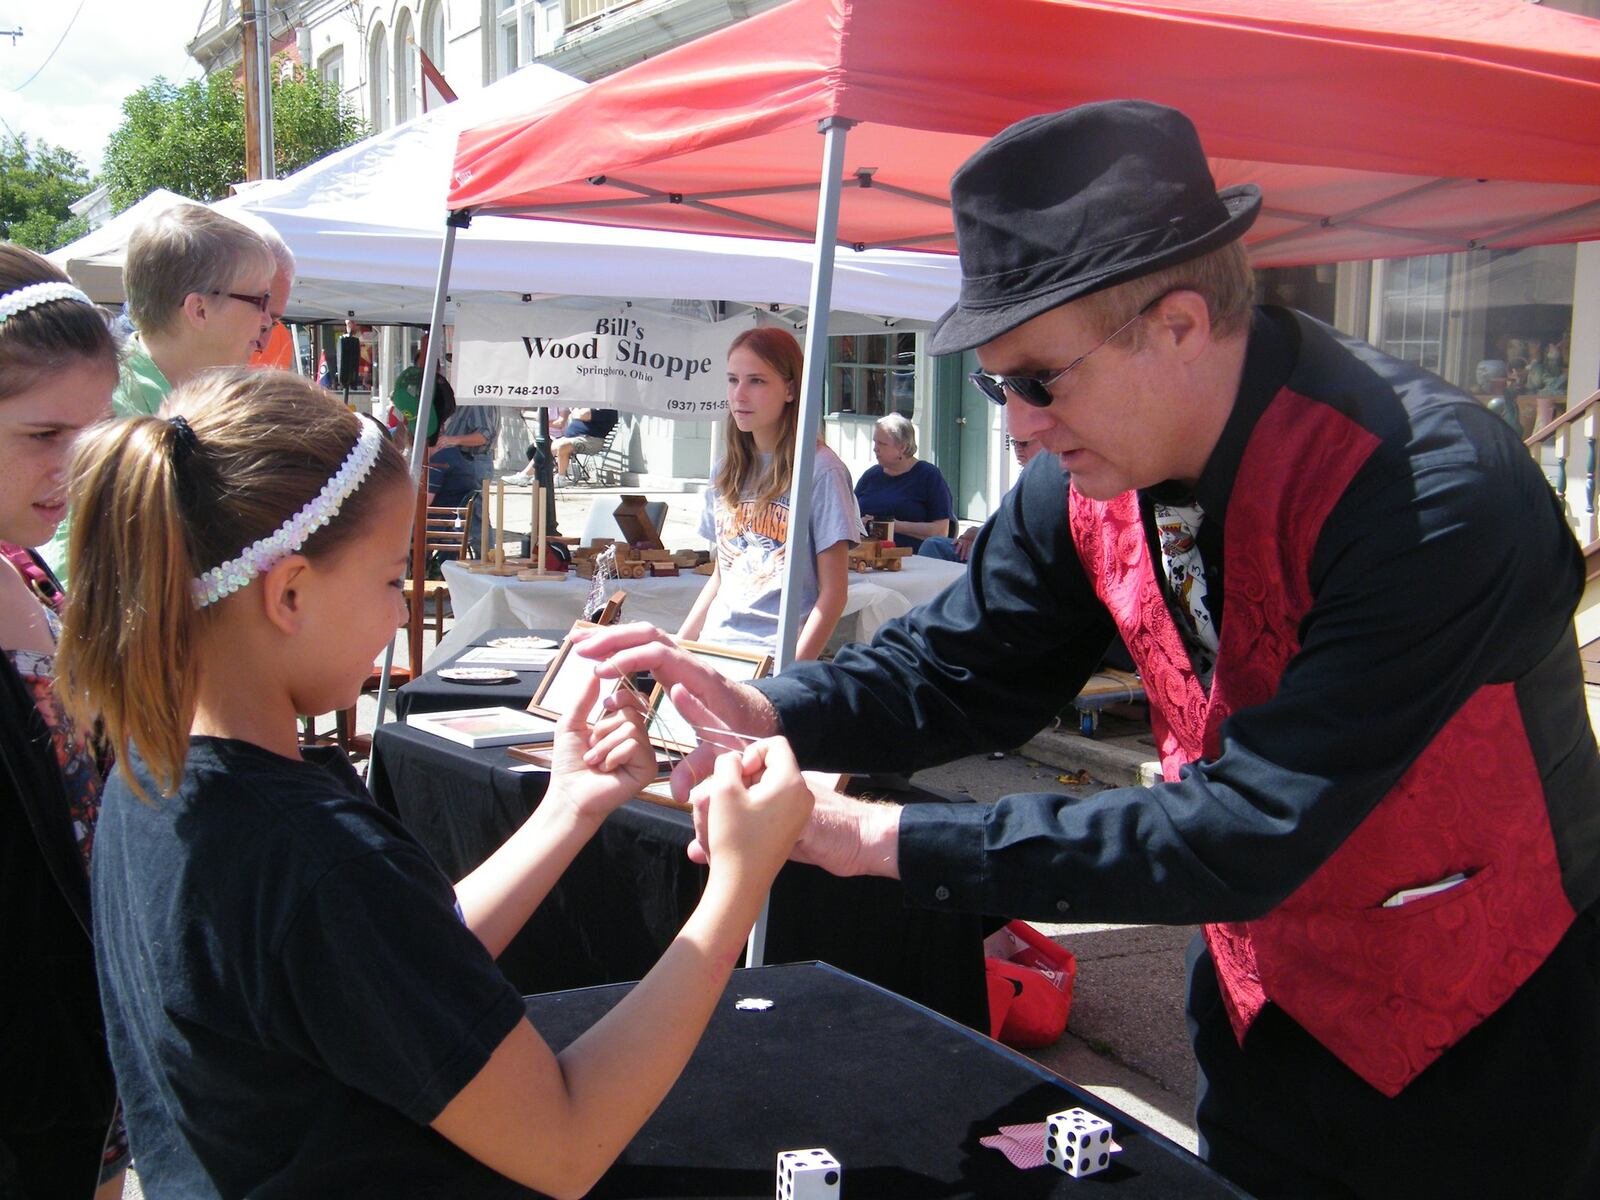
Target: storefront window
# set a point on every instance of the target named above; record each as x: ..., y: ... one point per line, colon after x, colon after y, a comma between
x: 1497, y: 323
x: 872, y: 375
x: 1414, y: 303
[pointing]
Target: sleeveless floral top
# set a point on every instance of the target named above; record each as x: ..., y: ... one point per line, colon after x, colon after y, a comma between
x: 83, y: 767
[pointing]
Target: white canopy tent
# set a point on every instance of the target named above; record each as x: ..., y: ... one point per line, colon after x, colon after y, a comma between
x: 95, y: 260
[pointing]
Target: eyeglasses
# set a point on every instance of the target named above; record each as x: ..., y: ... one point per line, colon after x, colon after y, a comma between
x: 258, y: 301
x: 1036, y: 391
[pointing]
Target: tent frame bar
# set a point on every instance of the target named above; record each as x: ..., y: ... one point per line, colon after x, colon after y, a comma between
x: 1536, y: 223
x: 809, y: 422
x: 419, y: 441
x: 865, y: 179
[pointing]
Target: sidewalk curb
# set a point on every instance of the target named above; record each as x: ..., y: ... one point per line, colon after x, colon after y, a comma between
x: 1108, y: 761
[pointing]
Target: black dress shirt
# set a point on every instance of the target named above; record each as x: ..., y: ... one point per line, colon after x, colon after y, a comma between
x: 1445, y: 565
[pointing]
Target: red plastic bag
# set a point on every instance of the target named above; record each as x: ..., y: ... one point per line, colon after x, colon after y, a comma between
x: 1030, y: 986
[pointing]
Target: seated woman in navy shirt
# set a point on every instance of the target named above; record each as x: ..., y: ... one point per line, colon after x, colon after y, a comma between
x: 902, y: 488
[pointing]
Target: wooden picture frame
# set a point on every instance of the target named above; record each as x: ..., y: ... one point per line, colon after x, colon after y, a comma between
x: 564, y: 680
x: 611, y: 611
x: 667, y: 727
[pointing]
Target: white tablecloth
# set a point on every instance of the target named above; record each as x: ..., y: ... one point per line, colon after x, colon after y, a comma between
x: 485, y: 602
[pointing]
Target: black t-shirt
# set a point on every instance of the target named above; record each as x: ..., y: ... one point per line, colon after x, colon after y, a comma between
x: 290, y: 993
x: 600, y: 423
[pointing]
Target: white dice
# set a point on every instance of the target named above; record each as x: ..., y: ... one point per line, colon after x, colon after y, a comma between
x: 808, y: 1175
x: 1077, y: 1142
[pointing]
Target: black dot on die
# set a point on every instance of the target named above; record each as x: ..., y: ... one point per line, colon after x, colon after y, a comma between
x: 831, y: 1178
x: 1051, y: 1140
x: 1103, y: 1158
x: 1050, y: 1154
x: 1105, y: 1135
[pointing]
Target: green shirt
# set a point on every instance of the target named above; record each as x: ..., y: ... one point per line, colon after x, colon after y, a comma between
x: 141, y: 387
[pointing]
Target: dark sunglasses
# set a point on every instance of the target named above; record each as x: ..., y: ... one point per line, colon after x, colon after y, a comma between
x: 1033, y: 389
x: 258, y: 301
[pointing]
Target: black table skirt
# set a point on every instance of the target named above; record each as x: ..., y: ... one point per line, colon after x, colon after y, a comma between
x: 898, y: 1094
x: 627, y: 893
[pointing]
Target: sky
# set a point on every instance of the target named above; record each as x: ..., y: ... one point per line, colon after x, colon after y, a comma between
x: 112, y: 49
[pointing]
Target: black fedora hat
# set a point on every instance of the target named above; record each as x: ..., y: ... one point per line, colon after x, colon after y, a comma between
x: 1064, y: 204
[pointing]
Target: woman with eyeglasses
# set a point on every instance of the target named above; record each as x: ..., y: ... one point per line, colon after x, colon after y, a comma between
x: 199, y: 287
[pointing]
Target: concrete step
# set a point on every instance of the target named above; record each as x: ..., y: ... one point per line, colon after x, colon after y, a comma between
x: 1113, y: 759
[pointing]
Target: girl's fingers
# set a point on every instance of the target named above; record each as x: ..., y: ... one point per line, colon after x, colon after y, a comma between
x: 777, y: 755
x: 574, y: 720
x: 691, y: 772
x: 603, y: 749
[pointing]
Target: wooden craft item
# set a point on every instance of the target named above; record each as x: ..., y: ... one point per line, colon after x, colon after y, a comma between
x: 540, y: 572
x: 634, y: 520
x: 485, y: 513
x: 500, y: 523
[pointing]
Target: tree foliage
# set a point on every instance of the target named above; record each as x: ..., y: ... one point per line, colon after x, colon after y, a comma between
x: 37, y: 183
x: 189, y: 137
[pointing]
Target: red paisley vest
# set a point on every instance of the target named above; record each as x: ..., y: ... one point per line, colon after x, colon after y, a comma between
x: 1387, y: 990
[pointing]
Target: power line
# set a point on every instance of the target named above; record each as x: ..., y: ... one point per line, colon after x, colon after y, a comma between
x: 53, y: 49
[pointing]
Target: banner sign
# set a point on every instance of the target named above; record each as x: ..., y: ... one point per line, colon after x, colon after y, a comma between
x: 531, y: 354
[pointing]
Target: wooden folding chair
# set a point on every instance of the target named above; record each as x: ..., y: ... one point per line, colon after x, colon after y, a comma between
x: 445, y: 532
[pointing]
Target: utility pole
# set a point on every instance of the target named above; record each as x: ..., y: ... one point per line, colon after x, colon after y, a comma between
x: 259, y: 160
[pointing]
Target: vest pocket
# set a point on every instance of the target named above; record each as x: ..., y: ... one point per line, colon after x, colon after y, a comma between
x: 1422, y: 905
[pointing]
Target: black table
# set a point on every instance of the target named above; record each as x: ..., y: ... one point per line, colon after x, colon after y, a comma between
x: 897, y: 1093
x: 630, y: 889
x: 428, y: 693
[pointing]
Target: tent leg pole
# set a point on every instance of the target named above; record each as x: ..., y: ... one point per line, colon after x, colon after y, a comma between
x: 833, y: 131
x: 419, y: 439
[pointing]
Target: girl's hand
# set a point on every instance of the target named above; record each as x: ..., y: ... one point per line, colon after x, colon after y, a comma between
x: 748, y: 814
x: 597, y: 767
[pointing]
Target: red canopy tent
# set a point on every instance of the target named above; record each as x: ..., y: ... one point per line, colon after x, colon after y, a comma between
x: 1375, y: 128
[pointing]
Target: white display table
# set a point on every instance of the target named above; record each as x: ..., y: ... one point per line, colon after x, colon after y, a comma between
x: 485, y: 602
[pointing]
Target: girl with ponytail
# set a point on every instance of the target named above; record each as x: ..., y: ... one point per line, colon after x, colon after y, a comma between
x: 297, y: 1002
x: 58, y: 365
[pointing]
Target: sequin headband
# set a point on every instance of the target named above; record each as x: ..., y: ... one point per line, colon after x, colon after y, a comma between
x: 35, y: 294
x: 264, y: 553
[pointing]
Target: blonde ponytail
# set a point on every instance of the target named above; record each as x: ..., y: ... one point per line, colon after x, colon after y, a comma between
x: 127, y: 646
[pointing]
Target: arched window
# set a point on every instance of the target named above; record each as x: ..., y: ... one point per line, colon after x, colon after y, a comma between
x: 378, y: 77
x: 433, y: 32
x: 407, y: 70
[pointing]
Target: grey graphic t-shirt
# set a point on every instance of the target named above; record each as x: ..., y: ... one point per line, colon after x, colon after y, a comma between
x: 750, y: 540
